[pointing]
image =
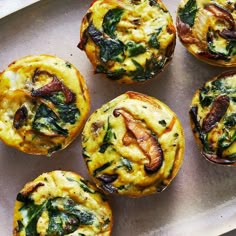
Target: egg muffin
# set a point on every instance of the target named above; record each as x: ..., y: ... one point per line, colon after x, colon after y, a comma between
x: 61, y: 203
x: 213, y: 118
x: 207, y: 28
x: 133, y: 145
x: 44, y: 102
x: 128, y: 41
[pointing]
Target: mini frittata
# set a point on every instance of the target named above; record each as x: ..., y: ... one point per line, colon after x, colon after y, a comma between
x: 207, y: 28
x: 213, y: 118
x: 133, y: 145
x: 129, y: 41
x: 61, y: 203
x: 44, y: 102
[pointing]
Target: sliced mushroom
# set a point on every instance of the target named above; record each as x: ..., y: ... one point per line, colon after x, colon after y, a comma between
x: 212, y: 56
x: 185, y: 32
x: 107, y: 179
x: 221, y: 13
x: 145, y: 140
x: 215, y: 158
x: 228, y: 34
x: 20, y: 117
x: 218, y: 109
x: 54, y: 86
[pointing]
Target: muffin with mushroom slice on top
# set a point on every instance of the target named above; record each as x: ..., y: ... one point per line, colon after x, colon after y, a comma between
x: 207, y: 29
x: 133, y: 145
x: 61, y: 203
x: 213, y: 119
x: 128, y: 41
x: 44, y: 102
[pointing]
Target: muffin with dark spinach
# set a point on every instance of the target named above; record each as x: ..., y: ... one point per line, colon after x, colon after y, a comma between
x: 213, y: 119
x: 128, y: 41
x: 44, y: 102
x: 61, y: 203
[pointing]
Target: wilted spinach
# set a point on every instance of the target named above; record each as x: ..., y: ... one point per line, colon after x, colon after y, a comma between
x: 68, y: 112
x: 110, y: 49
x: 110, y: 21
x: 188, y: 13
x: 46, y: 122
x: 153, y: 42
x: 114, y: 75
x: 151, y: 68
x: 107, y: 138
x: 230, y: 121
x: 134, y: 49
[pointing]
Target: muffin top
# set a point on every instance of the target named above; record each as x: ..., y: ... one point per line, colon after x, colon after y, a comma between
x: 43, y: 104
x: 133, y: 145
x: 128, y: 41
x: 61, y: 203
x: 213, y: 118
x: 207, y: 28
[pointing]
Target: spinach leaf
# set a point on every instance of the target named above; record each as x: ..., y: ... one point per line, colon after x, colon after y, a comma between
x: 162, y: 123
x: 204, y: 98
x: 153, y: 41
x: 134, y: 49
x: 217, y: 85
x: 212, y: 49
x: 68, y: 112
x: 20, y: 226
x: 110, y: 21
x: 231, y: 47
x: 84, y: 153
x: 101, y: 168
x: 61, y: 223
x: 230, y: 121
x: 110, y: 49
x: 107, y: 138
x: 151, y: 68
x: 127, y: 164
x: 72, y: 209
x: 32, y: 213
x: 83, y: 184
x: 114, y: 75
x: 46, y: 122
x: 232, y: 156
x: 226, y: 140
x: 188, y: 13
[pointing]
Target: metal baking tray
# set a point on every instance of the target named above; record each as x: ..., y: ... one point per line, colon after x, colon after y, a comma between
x: 201, y: 199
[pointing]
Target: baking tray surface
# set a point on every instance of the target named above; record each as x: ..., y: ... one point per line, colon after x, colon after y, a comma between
x: 200, y: 200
